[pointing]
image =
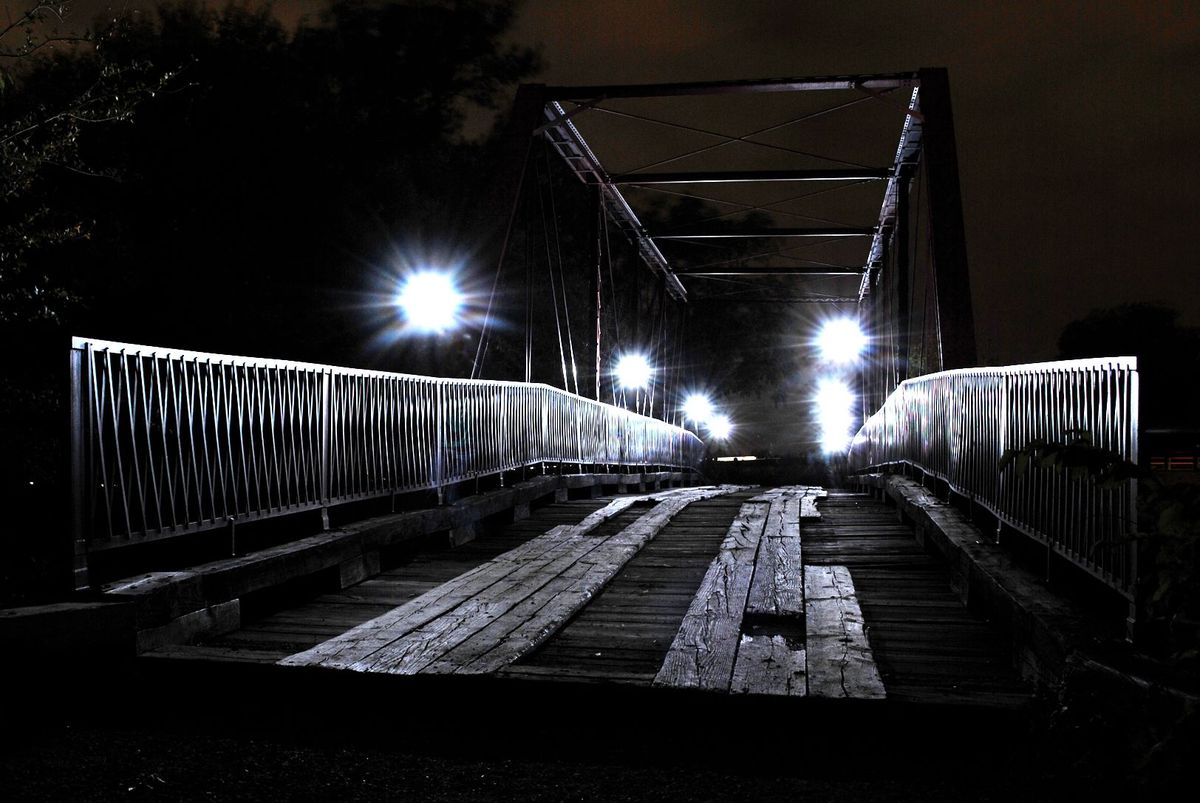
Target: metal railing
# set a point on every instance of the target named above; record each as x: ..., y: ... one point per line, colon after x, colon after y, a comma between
x: 166, y: 442
x: 956, y: 425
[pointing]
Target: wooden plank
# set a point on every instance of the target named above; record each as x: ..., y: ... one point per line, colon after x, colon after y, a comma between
x: 418, y: 633
x: 778, y: 585
x: 840, y: 662
x: 532, y: 621
x: 536, y: 607
x: 360, y: 642
x: 769, y: 665
x: 409, y: 650
x: 377, y: 633
x: 703, y: 652
x: 230, y: 654
x: 808, y: 504
x: 601, y: 675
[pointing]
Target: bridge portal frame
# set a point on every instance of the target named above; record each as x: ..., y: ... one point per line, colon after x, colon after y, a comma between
x: 926, y: 140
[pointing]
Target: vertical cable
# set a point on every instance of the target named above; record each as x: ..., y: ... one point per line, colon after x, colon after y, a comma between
x: 562, y: 279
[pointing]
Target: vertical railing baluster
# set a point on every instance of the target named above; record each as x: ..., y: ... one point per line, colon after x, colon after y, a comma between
x: 326, y: 437
x: 439, y: 439
x: 80, y: 479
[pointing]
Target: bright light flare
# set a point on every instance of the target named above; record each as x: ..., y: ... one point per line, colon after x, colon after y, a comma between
x: 633, y: 371
x: 719, y: 427
x: 835, y: 414
x: 698, y: 408
x: 841, y: 340
x: 430, y: 301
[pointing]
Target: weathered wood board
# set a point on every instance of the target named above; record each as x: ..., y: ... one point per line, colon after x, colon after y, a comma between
x: 840, y: 663
x: 548, y: 577
x: 805, y: 495
x: 808, y: 504
x: 769, y: 665
x: 540, y: 615
x: 703, y: 651
x: 778, y: 585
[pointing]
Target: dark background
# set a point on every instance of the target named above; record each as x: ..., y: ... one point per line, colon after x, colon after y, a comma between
x: 1076, y: 124
x: 267, y: 177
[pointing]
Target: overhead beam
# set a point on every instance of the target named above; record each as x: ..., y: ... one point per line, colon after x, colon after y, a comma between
x: 780, y: 271
x: 796, y: 300
x: 745, y: 176
x: 734, y: 234
x: 874, y: 82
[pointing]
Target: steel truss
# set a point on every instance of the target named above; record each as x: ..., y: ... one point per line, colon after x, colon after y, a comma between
x: 925, y: 144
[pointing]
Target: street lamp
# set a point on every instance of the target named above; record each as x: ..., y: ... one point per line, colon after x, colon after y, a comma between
x: 430, y: 304
x: 719, y: 427
x: 430, y: 301
x: 841, y: 340
x: 633, y: 372
x: 697, y: 408
x: 835, y: 414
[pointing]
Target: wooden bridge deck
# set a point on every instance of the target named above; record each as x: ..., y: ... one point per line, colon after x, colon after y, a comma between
x: 279, y: 634
x: 926, y: 646
x: 625, y: 632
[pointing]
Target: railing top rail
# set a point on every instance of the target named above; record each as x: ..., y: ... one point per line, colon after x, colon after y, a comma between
x: 1128, y: 363
x: 160, y: 352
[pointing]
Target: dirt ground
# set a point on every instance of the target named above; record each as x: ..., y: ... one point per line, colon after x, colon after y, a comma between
x: 87, y: 761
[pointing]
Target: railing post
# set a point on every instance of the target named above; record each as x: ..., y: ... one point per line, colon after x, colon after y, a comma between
x: 438, y: 455
x: 326, y: 443
x: 1135, y: 544
x: 78, y: 457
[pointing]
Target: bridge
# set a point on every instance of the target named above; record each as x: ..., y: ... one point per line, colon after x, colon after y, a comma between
x: 280, y: 522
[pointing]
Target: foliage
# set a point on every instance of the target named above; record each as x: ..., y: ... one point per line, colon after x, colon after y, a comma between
x: 1168, y: 357
x: 207, y: 178
x: 41, y: 140
x: 1169, y: 537
x: 274, y: 178
x: 1078, y: 457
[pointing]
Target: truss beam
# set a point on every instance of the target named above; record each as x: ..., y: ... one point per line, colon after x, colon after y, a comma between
x: 796, y: 300
x: 565, y: 138
x: 908, y: 153
x: 770, y: 271
x: 877, y: 83
x: 745, y: 176
x: 735, y: 234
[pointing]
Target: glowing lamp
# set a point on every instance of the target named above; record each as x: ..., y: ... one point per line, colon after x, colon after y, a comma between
x: 633, y: 371
x: 841, y: 340
x: 835, y: 414
x: 698, y: 408
x: 430, y: 301
x: 719, y: 427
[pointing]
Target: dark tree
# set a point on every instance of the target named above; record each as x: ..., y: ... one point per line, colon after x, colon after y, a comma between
x: 259, y: 195
x: 1168, y: 357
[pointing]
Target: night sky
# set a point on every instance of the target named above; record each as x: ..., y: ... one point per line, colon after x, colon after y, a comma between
x: 1077, y: 125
